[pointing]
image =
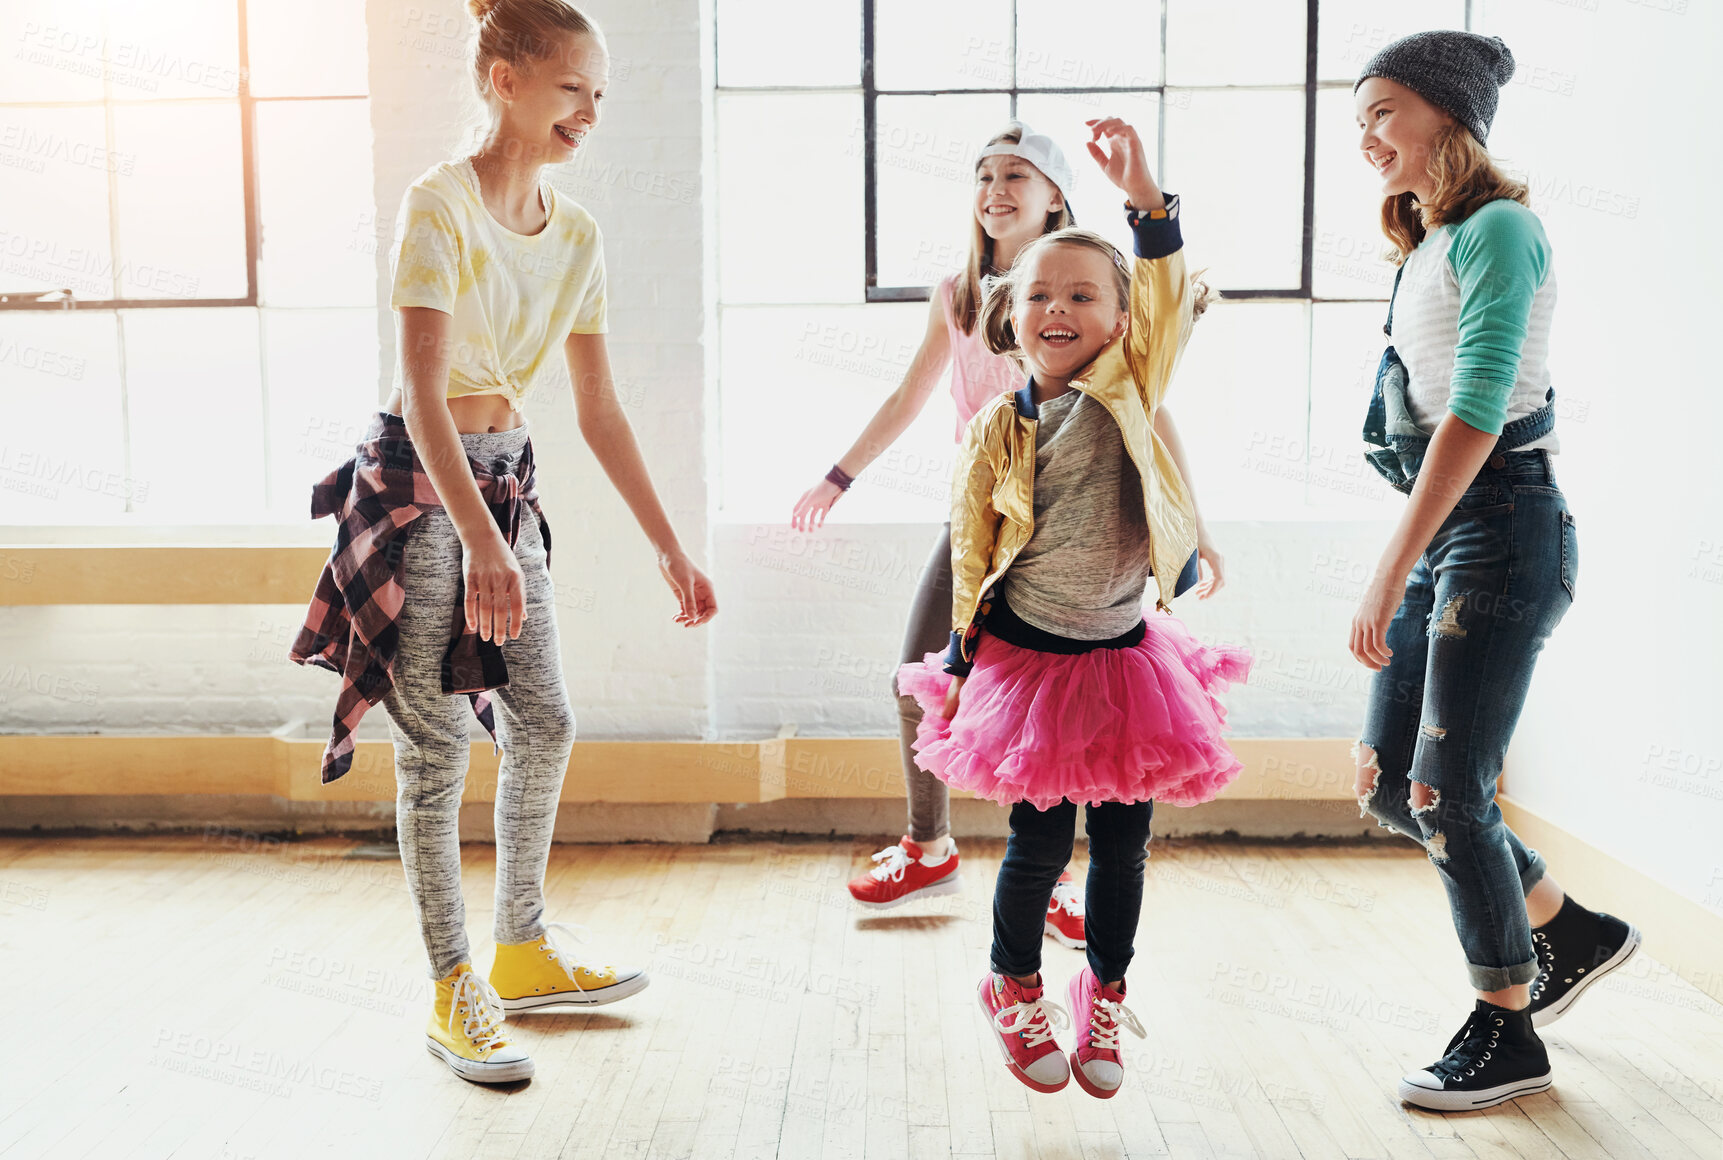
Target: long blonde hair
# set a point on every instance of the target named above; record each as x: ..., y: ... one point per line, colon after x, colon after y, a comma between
x: 1466, y: 179
x: 995, y: 313
x: 966, y: 294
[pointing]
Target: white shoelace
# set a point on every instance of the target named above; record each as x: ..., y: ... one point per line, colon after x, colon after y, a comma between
x: 893, y: 861
x: 482, y: 1022
x: 562, y: 958
x: 1065, y: 894
x: 1106, y: 1017
x: 1037, y: 1020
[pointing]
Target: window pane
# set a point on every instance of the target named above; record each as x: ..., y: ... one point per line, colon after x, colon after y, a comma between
x: 803, y: 382
x: 1237, y: 161
x: 924, y: 149
x: 1239, y: 396
x: 316, y: 203
x: 790, y: 197
x: 54, y: 201
x: 189, y: 48
x: 1088, y: 44
x: 62, y: 458
x: 1097, y: 202
x: 306, y: 48
x: 1349, y: 32
x: 194, y: 400
x: 182, y: 222
x: 1235, y: 42
x: 954, y: 44
x: 1348, y: 246
x: 323, y: 390
x: 1346, y: 343
x: 53, y: 50
x: 752, y: 37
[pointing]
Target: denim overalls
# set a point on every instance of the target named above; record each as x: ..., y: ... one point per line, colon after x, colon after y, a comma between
x: 1496, y: 579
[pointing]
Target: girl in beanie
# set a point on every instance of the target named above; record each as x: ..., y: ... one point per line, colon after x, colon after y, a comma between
x: 1483, y: 564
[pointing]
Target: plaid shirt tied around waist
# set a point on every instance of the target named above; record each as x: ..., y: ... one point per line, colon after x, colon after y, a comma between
x: 352, y: 625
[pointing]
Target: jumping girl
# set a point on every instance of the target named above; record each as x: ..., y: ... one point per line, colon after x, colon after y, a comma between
x: 1483, y: 564
x: 1069, y: 498
x: 438, y: 585
x: 1022, y: 187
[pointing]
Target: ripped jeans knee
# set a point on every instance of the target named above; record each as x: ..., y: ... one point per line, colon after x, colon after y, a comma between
x: 1382, y: 798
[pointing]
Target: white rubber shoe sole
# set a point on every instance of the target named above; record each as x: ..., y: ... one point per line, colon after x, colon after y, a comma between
x: 618, y: 990
x: 1559, y: 1008
x: 944, y: 886
x: 476, y: 1071
x: 1413, y: 1090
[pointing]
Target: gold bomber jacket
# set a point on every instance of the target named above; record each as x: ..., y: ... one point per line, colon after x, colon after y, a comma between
x: 992, y: 490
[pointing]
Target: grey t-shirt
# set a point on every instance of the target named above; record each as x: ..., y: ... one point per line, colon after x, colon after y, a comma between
x: 1083, y: 571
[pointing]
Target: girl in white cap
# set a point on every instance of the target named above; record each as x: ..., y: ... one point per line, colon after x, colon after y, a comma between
x: 1022, y: 187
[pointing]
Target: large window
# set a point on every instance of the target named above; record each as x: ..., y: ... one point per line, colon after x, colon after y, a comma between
x: 845, y: 185
x: 187, y: 257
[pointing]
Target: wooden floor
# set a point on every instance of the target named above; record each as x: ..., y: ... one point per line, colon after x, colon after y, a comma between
x: 214, y: 997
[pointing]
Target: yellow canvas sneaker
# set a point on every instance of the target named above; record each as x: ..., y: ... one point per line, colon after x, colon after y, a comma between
x: 540, y: 973
x: 466, y: 1031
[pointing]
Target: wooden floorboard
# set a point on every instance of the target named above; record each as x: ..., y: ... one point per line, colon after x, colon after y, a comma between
x: 221, y: 997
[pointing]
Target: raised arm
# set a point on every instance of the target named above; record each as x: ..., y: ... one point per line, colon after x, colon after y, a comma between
x: 893, y: 418
x: 1161, y: 300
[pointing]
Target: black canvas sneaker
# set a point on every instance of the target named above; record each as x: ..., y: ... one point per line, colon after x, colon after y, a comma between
x: 1575, y: 949
x: 1497, y: 1056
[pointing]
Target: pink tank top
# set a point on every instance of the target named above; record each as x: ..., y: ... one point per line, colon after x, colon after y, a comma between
x: 977, y: 374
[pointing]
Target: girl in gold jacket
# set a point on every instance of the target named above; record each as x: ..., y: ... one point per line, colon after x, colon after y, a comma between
x: 1056, y: 689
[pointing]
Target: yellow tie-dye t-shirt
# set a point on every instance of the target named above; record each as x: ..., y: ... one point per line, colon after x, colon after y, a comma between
x: 511, y: 298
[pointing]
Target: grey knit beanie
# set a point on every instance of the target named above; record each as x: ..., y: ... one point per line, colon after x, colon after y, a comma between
x: 1461, y: 72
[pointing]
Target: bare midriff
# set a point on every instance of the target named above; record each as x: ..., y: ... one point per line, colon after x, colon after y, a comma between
x: 473, y: 414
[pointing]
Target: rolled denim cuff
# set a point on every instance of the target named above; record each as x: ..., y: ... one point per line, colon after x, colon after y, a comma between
x: 1501, y: 978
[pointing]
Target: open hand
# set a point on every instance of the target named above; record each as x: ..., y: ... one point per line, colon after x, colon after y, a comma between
x: 1127, y: 163
x: 1369, y: 639
x: 810, y: 511
x: 695, y: 602
x: 951, y: 696
x: 495, y: 586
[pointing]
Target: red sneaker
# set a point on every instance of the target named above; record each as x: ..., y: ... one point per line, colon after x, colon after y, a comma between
x: 901, y: 874
x: 1099, y: 1013
x: 1065, y: 913
x: 1024, y: 1023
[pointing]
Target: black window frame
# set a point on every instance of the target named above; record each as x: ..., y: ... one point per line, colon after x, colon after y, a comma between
x: 870, y: 93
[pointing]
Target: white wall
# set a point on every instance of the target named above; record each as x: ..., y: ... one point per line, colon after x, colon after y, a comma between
x: 1622, y: 741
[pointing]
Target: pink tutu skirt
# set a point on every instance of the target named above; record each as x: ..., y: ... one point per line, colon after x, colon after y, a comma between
x: 1110, y: 725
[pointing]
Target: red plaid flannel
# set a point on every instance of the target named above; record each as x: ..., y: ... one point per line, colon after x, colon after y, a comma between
x: 351, y: 626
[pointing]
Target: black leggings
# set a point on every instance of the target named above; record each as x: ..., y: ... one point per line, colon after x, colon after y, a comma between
x: 1038, y: 852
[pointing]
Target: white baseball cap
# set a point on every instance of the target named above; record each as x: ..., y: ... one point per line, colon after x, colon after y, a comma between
x: 1040, y: 151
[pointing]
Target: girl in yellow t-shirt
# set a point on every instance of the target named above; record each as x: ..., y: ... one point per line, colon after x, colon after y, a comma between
x: 494, y: 272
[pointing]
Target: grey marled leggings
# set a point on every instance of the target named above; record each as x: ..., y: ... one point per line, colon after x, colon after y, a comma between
x: 431, y: 730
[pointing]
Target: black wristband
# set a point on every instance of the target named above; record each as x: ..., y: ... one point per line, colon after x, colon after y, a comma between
x: 840, y: 478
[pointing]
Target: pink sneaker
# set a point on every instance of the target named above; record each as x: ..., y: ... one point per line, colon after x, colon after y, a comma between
x: 1099, y: 1013
x: 1024, y: 1024
x: 901, y: 875
x: 1065, y: 913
